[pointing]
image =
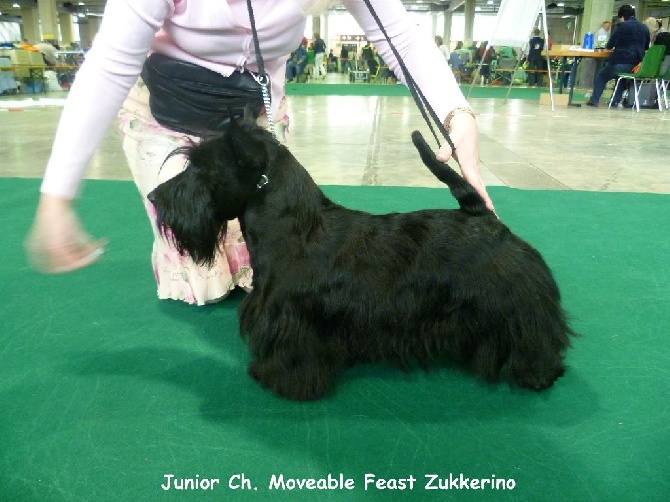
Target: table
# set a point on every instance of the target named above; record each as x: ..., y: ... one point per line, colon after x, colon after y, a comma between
x: 35, y: 72
x: 577, y: 54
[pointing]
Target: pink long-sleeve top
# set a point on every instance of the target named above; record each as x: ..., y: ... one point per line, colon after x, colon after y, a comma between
x: 215, y: 34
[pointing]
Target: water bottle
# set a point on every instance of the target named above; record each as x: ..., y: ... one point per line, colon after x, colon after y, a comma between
x: 588, y: 41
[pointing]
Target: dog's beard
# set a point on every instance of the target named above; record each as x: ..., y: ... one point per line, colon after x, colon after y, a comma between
x: 186, y: 217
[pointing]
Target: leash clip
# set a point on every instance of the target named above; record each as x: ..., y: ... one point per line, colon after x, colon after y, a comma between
x: 262, y: 182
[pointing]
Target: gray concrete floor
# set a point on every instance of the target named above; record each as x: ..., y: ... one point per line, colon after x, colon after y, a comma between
x: 366, y: 141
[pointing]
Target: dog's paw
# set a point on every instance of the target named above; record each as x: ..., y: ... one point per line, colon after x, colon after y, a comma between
x: 295, y: 383
x: 536, y: 380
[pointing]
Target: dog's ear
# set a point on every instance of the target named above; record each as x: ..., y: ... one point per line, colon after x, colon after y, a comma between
x: 252, y: 147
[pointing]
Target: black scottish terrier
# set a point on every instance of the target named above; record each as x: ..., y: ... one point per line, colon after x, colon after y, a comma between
x: 335, y: 287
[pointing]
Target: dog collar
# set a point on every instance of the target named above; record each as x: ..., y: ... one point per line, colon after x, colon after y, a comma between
x: 262, y: 182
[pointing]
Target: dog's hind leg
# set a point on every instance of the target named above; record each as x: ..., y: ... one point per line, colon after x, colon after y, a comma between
x: 488, y: 359
x: 536, y: 375
x: 538, y: 362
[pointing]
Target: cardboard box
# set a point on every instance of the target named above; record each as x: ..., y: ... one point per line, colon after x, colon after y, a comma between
x: 559, y: 99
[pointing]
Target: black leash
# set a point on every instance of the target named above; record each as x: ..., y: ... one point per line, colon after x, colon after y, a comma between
x: 262, y: 78
x: 419, y: 98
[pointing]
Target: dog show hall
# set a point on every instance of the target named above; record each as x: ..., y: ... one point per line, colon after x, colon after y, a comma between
x: 110, y: 394
x: 101, y: 378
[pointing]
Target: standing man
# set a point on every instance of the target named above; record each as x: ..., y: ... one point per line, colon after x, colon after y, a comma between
x: 319, y: 53
x: 534, y: 58
x: 629, y: 41
x: 344, y: 59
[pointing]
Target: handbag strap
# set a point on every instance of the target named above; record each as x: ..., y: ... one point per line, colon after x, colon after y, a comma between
x: 262, y: 78
x: 419, y: 98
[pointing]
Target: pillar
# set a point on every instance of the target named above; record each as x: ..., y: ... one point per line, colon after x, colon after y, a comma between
x: 447, y: 28
x: 65, y: 21
x: 325, y: 32
x: 88, y: 28
x: 30, y: 25
x: 642, y: 10
x: 316, y: 25
x: 48, y: 19
x: 469, y: 22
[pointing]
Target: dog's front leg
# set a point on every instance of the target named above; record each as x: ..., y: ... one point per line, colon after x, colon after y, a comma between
x: 296, y: 375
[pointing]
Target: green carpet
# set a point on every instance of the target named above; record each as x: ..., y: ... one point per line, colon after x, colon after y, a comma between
x: 361, y: 89
x: 104, y: 390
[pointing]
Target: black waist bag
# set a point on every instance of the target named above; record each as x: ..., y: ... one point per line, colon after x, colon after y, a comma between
x: 194, y: 100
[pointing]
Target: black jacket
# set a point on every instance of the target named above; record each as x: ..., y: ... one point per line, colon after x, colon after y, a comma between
x: 629, y: 40
x: 535, y: 48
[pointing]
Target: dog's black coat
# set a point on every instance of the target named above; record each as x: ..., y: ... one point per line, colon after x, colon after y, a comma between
x: 334, y: 287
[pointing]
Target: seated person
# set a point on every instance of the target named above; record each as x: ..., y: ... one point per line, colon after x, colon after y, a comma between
x: 629, y: 41
x: 332, y: 61
x: 455, y: 61
x: 297, y: 62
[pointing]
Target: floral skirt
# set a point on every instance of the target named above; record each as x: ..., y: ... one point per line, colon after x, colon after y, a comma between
x: 146, y: 145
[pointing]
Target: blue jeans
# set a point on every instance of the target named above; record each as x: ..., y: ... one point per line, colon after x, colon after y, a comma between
x: 607, y: 73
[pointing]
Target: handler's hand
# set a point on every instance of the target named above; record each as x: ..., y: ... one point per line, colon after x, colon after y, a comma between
x: 465, y: 135
x: 57, y: 243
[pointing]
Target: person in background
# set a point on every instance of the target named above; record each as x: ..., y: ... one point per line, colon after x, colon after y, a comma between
x: 459, y: 59
x: 662, y: 37
x: 332, y: 62
x: 217, y: 36
x: 367, y: 54
x: 344, y: 59
x: 534, y: 58
x: 629, y: 41
x: 310, y: 60
x: 602, y: 35
x: 439, y: 41
x: 600, y: 38
x: 487, y: 57
x: 297, y: 62
x: 319, y: 54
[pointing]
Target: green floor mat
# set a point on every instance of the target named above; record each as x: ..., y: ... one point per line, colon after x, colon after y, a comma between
x: 362, y: 89
x: 105, y: 390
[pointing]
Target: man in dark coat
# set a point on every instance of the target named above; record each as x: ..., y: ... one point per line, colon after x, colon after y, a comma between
x: 629, y: 41
x: 534, y: 58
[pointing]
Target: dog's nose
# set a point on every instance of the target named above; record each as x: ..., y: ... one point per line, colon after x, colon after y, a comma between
x: 151, y: 197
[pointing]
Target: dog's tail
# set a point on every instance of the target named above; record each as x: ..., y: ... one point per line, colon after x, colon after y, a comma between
x: 468, y: 199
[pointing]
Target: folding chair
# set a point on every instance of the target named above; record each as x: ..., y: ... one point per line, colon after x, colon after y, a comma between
x: 649, y: 69
x: 662, y: 87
